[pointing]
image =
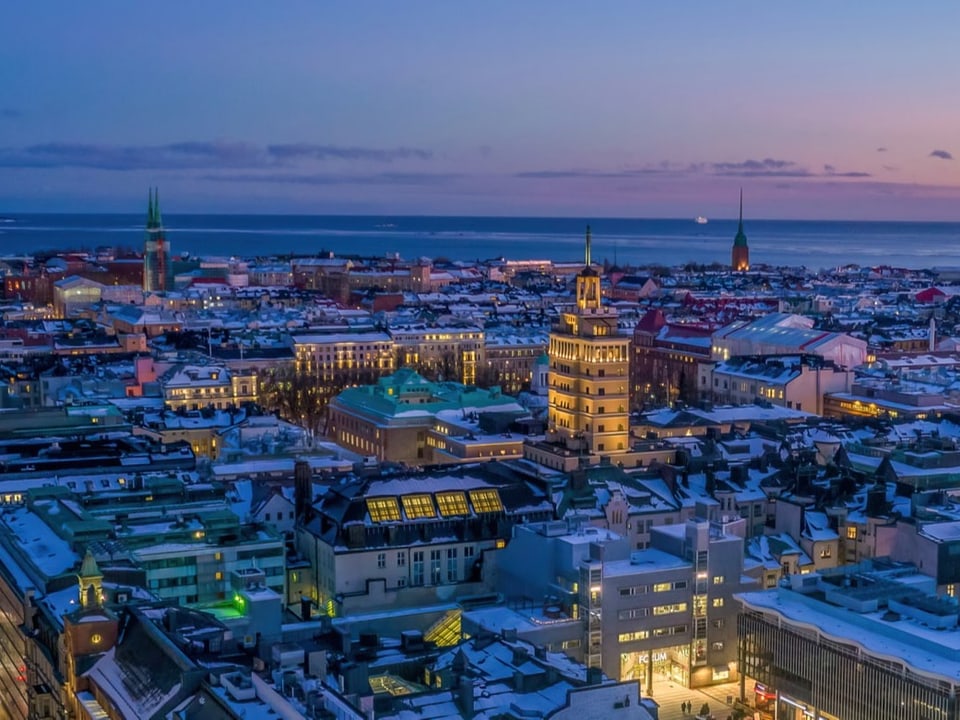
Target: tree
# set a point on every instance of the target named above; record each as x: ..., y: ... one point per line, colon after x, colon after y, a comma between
x: 296, y: 396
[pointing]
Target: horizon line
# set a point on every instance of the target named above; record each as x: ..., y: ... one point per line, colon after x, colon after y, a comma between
x: 591, y: 218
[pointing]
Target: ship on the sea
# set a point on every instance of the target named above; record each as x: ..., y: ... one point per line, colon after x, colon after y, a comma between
x: 700, y: 220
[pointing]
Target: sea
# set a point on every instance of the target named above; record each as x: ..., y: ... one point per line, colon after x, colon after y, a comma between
x: 812, y: 244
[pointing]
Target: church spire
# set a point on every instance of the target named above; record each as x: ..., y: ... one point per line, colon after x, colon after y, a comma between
x: 587, y: 249
x: 740, y: 258
x: 156, y: 207
x: 90, y: 580
x: 149, y: 207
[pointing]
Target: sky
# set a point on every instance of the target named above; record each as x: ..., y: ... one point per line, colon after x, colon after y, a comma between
x: 818, y: 110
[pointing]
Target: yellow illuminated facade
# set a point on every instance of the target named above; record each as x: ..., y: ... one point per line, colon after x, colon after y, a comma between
x: 589, y: 373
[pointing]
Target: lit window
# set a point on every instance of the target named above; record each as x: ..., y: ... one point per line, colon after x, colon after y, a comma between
x: 669, y: 609
x: 96, y: 638
x: 852, y: 532
x: 218, y: 575
x: 418, y: 506
x: 663, y: 587
x: 452, y: 503
x: 383, y: 509
x: 718, y: 579
x: 718, y: 602
x: 486, y: 501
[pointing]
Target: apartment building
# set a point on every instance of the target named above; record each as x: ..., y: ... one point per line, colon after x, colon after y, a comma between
x: 414, y: 540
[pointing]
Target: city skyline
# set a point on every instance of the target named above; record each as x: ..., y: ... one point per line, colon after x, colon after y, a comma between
x: 625, y: 111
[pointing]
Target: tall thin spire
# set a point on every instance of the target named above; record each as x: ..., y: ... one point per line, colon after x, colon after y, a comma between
x: 587, y: 249
x: 156, y: 207
x: 149, y: 207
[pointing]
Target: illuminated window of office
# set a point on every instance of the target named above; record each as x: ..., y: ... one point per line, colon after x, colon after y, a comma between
x: 669, y: 609
x: 486, y: 501
x: 418, y: 506
x: 383, y: 509
x: 452, y: 503
x: 851, y: 532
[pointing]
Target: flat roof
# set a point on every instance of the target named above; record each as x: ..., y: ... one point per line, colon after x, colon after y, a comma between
x: 926, y: 651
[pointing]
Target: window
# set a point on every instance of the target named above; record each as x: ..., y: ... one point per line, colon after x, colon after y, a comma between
x: 452, y: 504
x: 381, y: 560
x: 435, y: 578
x: 96, y: 638
x: 718, y: 579
x: 451, y: 565
x: 825, y: 552
x: 401, y: 559
x: 718, y: 602
x: 632, y: 636
x: 486, y: 501
x: 673, y: 630
x: 383, y: 509
x: 418, y: 506
x: 669, y: 609
x: 851, y: 532
x: 718, y: 624
x: 662, y: 587
x: 417, y: 567
x: 718, y: 645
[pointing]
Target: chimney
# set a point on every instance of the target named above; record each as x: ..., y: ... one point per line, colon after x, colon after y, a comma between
x: 302, y: 490
x: 465, y: 696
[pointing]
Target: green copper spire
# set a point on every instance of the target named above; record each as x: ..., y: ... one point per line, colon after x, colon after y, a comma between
x: 159, y: 220
x: 587, y: 249
x: 149, y: 207
x: 740, y: 239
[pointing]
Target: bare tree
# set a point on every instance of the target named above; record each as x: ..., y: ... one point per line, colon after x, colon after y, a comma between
x: 296, y: 396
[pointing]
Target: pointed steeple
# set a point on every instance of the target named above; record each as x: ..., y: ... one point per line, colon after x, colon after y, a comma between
x: 740, y: 256
x: 89, y: 567
x: 149, y: 207
x: 740, y: 239
x: 587, y: 249
x: 156, y: 208
x: 90, y: 581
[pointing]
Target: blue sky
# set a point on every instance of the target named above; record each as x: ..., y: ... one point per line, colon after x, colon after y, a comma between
x: 819, y: 110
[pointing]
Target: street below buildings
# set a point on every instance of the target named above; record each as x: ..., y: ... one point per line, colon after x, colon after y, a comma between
x: 670, y: 695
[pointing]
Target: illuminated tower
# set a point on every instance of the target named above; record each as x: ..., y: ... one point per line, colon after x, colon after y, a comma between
x: 740, y: 258
x: 90, y: 580
x: 589, y: 371
x: 157, y: 271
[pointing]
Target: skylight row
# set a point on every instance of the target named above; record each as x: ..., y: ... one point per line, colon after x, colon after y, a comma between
x: 421, y: 506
